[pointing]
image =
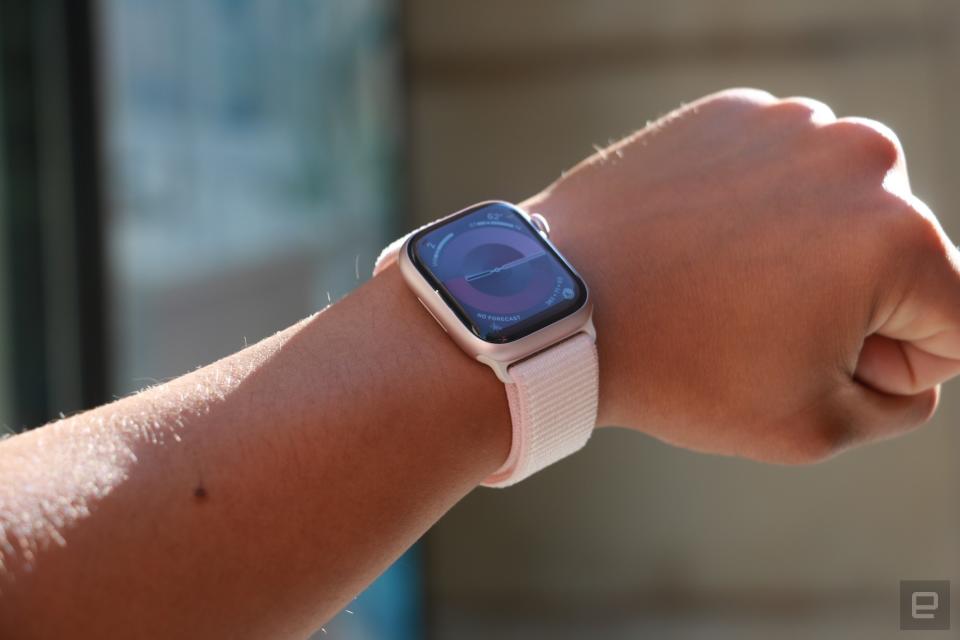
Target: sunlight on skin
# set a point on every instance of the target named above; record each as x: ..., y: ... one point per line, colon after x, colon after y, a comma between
x: 92, y: 455
x: 320, y: 462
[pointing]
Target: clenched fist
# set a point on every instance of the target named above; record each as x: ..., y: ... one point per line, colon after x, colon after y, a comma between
x: 766, y: 284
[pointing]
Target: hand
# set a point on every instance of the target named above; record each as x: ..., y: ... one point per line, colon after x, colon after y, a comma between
x: 766, y: 284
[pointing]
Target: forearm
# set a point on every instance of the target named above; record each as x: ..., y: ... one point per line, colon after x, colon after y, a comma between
x: 256, y: 496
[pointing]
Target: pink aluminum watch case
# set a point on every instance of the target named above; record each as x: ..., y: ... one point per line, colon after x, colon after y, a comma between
x: 498, y: 356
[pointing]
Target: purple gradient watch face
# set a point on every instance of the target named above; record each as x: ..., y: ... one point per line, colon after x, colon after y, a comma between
x: 497, y: 273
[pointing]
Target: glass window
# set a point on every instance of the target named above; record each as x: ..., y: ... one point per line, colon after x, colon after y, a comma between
x: 251, y: 152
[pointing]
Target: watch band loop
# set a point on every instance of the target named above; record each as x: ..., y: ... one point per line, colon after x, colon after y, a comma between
x: 553, y: 404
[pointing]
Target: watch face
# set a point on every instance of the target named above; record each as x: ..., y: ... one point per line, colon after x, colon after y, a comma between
x: 496, y: 272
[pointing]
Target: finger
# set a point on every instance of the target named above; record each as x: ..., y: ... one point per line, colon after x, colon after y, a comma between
x: 863, y: 415
x: 898, y: 367
x: 919, y: 330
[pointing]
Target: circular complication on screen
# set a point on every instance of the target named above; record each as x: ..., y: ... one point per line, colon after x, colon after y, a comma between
x: 497, y: 273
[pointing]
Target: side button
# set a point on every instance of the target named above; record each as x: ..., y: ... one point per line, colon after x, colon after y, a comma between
x: 431, y: 315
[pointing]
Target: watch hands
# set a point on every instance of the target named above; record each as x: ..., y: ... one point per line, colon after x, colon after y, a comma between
x: 504, y: 267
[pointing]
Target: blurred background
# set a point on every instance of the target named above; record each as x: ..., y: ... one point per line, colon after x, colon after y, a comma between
x: 181, y: 177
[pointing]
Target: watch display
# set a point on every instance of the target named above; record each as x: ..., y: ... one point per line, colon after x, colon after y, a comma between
x: 497, y: 273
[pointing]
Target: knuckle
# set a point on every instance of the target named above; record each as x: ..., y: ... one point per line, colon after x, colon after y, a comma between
x: 741, y: 97
x: 876, y: 141
x: 925, y: 241
x: 836, y: 428
x: 912, y: 223
x: 804, y: 108
x: 812, y: 450
x: 819, y: 442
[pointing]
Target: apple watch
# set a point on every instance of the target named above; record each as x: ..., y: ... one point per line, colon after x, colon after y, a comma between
x: 490, y: 276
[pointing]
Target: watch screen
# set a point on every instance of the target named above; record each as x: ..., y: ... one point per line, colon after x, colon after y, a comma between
x: 497, y: 273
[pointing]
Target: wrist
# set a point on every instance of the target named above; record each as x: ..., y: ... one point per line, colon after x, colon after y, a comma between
x: 426, y: 368
x: 570, y: 231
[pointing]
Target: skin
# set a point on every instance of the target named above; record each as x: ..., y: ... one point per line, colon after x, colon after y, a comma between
x: 765, y: 284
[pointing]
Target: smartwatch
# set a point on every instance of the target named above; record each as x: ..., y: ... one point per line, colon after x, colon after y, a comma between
x: 490, y: 276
